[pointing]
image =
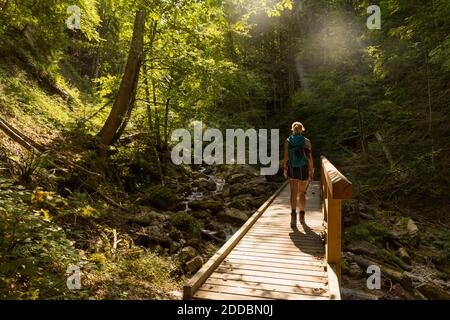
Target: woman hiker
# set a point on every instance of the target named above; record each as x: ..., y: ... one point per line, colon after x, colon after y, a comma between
x: 298, y: 168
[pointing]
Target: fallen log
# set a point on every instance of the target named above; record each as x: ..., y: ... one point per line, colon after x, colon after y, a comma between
x: 396, y: 276
x: 353, y: 294
x: 15, y: 135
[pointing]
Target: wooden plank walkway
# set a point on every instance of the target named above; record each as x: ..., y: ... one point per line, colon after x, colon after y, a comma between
x: 273, y: 260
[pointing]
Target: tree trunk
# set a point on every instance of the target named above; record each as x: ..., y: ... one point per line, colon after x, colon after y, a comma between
x: 127, y: 118
x: 362, y: 131
x: 157, y: 118
x: 146, y: 84
x: 126, y: 92
x: 20, y: 138
x: 147, y: 98
x: 386, y: 150
x: 166, y: 125
x: 430, y: 113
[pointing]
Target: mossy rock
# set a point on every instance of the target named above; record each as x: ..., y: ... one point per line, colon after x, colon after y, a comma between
x: 239, y: 189
x: 146, y: 218
x: 160, y: 197
x: 187, y: 224
x: 405, y: 229
x: 370, y: 231
x: 207, y: 204
x: 200, y: 214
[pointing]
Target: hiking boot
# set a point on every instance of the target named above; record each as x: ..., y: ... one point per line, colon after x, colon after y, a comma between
x: 293, y: 219
x: 302, y: 216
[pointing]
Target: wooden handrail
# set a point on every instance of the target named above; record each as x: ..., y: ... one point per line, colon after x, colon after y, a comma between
x: 335, y: 188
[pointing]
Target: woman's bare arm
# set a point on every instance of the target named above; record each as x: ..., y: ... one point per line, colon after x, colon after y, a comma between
x: 286, y: 157
x: 311, y: 164
x: 286, y: 154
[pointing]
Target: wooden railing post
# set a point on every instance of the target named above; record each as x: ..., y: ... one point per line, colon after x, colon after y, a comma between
x: 335, y: 188
x: 324, y: 194
x: 334, y: 224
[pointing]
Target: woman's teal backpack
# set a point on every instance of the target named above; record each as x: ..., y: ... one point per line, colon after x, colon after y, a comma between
x: 296, y: 151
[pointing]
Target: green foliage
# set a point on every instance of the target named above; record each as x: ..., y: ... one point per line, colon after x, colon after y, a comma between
x: 45, y: 20
x: 187, y: 224
x: 133, y: 275
x: 34, y: 252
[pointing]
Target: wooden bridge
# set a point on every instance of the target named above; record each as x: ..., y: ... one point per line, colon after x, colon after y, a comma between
x: 267, y: 259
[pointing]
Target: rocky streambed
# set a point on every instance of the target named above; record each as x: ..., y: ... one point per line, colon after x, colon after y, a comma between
x: 197, y: 210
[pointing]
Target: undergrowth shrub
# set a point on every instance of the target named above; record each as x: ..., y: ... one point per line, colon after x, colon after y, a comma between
x: 34, y: 252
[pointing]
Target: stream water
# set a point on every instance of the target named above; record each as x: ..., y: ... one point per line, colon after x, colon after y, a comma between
x: 197, y: 195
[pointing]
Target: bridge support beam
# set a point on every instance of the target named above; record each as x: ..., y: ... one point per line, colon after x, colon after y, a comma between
x: 334, y: 234
x: 335, y: 188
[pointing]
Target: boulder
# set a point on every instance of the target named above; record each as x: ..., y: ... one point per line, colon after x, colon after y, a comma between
x: 187, y: 253
x: 412, y: 228
x: 239, y: 188
x: 200, y: 214
x: 198, y: 175
x: 204, y: 184
x: 194, y: 264
x: 258, y: 180
x: 403, y: 254
x: 256, y: 202
x: 237, y: 178
x: 175, y: 235
x: 146, y: 218
x: 187, y: 224
x: 153, y: 235
x: 226, y: 191
x: 363, y: 247
x: 405, y: 231
x: 240, y: 202
x: 174, y: 247
x: 234, y: 214
x: 160, y: 197
x: 175, y: 295
x: 245, y: 169
x: 260, y: 189
x: 206, y: 204
x: 354, y: 270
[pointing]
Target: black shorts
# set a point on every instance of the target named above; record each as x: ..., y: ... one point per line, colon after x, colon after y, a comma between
x: 301, y: 173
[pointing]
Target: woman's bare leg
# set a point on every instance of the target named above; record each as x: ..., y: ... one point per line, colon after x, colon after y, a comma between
x: 302, y: 185
x: 294, y: 193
